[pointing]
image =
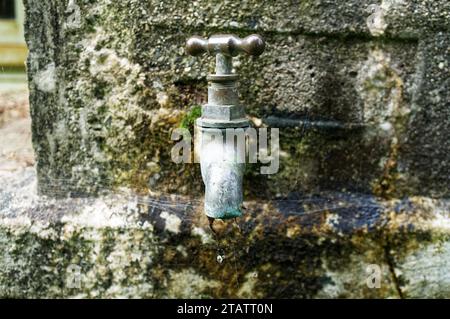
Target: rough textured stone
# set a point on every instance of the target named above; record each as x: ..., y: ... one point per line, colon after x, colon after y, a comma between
x: 124, y: 245
x: 359, y: 89
x: 109, y: 80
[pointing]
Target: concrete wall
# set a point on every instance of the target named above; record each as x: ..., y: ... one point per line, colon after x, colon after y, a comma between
x: 110, y: 80
x: 359, y: 89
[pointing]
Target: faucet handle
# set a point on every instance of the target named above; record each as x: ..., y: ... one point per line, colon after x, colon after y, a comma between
x: 226, y: 44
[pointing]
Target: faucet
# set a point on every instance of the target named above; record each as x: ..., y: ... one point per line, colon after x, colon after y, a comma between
x: 222, y: 162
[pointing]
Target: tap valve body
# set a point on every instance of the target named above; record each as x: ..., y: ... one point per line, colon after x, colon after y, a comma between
x: 222, y: 172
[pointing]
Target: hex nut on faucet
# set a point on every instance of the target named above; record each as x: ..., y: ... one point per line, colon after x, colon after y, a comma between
x: 222, y: 174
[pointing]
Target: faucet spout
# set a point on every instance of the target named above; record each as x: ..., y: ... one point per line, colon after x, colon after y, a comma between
x: 222, y: 174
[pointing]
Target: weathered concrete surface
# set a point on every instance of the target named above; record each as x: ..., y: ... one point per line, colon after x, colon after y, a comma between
x: 360, y: 90
x: 122, y: 245
x: 109, y: 81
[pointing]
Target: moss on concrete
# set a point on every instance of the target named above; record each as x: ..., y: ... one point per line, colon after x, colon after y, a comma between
x: 137, y: 246
x: 109, y: 81
x: 118, y: 81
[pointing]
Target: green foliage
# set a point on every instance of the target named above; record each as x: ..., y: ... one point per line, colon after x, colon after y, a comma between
x: 189, y: 119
